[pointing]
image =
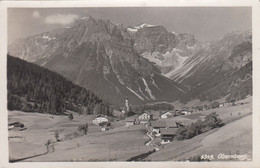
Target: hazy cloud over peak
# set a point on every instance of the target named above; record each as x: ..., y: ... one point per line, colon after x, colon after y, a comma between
x: 63, y: 19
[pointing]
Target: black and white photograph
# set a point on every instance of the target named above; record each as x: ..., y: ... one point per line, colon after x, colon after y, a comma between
x: 129, y: 84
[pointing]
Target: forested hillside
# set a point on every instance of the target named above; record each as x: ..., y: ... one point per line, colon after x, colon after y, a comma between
x: 33, y: 88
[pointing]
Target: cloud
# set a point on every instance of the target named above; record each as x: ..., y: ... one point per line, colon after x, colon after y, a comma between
x: 36, y: 14
x: 63, y: 19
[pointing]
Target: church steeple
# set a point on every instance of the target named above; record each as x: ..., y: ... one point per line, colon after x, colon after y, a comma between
x: 126, y: 104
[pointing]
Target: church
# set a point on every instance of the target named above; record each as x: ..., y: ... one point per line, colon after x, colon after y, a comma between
x: 126, y: 107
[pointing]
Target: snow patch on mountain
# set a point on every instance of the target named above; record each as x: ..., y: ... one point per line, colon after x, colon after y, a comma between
x: 132, y: 29
x: 48, y: 37
x: 144, y: 25
x: 148, y: 90
x: 135, y: 29
x: 169, y: 59
x: 153, y: 82
x: 151, y: 58
x: 140, y: 90
x: 173, y: 57
x: 81, y: 40
x: 140, y: 97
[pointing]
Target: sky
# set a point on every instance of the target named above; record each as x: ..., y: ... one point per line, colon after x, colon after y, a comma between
x: 206, y: 23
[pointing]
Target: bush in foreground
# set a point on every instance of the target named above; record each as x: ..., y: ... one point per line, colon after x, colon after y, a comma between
x: 211, y: 121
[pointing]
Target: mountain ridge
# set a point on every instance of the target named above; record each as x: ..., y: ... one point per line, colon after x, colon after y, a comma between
x: 100, y: 56
x: 134, y: 62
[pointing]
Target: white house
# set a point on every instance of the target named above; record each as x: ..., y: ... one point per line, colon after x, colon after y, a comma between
x: 184, y: 112
x: 99, y: 120
x: 145, y: 118
x: 166, y: 115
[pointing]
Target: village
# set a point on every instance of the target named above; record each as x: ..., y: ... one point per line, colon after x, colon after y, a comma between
x: 109, y: 137
x: 161, y: 126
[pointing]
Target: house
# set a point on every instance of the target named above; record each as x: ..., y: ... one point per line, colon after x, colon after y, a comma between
x: 145, y: 118
x: 17, y: 126
x: 223, y: 104
x: 100, y: 119
x: 156, y: 125
x: 167, y: 135
x: 185, y: 112
x: 130, y: 121
x: 166, y: 115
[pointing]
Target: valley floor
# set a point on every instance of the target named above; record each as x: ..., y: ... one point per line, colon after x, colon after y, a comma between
x: 122, y: 142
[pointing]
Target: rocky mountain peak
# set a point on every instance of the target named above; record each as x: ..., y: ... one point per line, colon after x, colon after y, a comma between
x: 104, y: 57
x: 189, y: 39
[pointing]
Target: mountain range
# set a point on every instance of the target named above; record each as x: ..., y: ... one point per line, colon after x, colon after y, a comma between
x: 145, y: 63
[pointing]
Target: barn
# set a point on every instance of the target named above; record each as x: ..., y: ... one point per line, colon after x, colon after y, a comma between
x: 100, y: 119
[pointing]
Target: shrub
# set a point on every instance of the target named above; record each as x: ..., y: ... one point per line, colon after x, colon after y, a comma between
x: 83, y: 128
x: 71, y: 116
x: 141, y: 156
x: 215, y: 105
x: 57, y: 136
x: 181, y: 133
x: 211, y: 121
x: 105, y: 124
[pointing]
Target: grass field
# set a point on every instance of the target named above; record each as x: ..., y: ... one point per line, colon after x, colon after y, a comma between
x: 119, y: 143
x: 234, y: 137
x: 229, y: 139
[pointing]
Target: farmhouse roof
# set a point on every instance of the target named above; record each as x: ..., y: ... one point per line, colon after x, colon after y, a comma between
x: 170, y: 123
x: 158, y: 124
x: 146, y: 112
x: 167, y: 112
x: 131, y: 119
x: 169, y: 131
x: 101, y: 117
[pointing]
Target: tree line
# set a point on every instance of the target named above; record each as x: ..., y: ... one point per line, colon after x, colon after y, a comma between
x: 138, y: 109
